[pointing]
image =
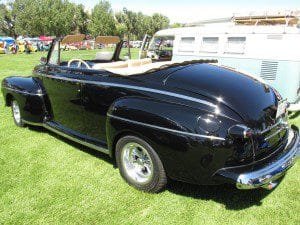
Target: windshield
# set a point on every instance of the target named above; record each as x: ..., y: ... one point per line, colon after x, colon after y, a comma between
x: 87, y: 50
x: 161, y: 48
x: 91, y: 51
x: 161, y: 43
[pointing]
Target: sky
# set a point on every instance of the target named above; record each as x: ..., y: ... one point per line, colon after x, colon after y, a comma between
x: 187, y: 11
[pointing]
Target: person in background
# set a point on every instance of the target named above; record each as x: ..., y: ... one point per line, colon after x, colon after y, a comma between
x: 38, y: 46
x: 26, y: 45
x: 14, y: 48
x: 42, y: 46
x: 17, y: 47
x: 6, y: 47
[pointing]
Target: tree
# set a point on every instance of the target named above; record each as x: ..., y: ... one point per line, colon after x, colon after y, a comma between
x: 49, y: 17
x: 7, y: 21
x: 81, y: 19
x: 102, y: 20
x: 158, y: 22
x: 130, y: 20
x: 61, y: 17
x: 121, y: 30
x: 176, y: 25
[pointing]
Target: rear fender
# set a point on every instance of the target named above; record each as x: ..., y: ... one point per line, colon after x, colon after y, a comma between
x: 173, y: 131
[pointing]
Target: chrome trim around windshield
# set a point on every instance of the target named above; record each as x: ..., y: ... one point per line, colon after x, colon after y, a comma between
x: 166, y: 129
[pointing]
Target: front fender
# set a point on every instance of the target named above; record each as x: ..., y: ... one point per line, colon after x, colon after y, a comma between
x: 29, y: 94
x: 188, y: 152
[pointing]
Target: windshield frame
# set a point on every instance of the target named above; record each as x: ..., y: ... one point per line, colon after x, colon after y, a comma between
x: 115, y: 57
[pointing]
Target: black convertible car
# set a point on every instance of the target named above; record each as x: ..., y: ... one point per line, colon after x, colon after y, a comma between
x: 190, y: 121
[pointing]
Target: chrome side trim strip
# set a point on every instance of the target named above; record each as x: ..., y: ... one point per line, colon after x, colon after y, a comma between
x: 32, y: 123
x: 22, y: 92
x: 106, y: 151
x: 135, y: 88
x: 274, y: 134
x: 166, y: 129
x: 271, y: 127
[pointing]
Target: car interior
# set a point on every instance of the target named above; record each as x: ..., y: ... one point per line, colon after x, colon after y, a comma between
x: 110, y: 61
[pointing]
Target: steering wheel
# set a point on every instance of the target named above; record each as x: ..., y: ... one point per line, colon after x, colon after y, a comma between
x: 80, y: 61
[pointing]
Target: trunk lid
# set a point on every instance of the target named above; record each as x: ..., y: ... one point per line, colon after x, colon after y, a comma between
x: 253, y: 100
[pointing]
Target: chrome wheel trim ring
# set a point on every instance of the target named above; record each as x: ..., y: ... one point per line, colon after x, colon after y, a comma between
x: 16, y: 111
x: 137, y: 163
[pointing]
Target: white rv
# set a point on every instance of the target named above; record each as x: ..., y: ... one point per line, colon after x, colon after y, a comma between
x: 269, y: 52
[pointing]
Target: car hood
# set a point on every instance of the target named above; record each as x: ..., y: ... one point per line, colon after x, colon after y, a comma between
x: 253, y: 100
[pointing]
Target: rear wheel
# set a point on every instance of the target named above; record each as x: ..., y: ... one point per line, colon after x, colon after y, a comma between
x: 140, y: 165
x: 16, y: 112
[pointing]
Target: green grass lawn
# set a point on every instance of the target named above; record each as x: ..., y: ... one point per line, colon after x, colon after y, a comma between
x: 46, y: 179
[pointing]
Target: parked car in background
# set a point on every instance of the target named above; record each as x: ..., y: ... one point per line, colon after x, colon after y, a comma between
x: 191, y: 121
x: 21, y: 46
x: 271, y: 53
x: 8, y: 40
x: 5, y: 44
x: 2, y: 50
x: 136, y: 44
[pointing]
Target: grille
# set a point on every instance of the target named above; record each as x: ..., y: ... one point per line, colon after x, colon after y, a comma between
x: 268, y: 70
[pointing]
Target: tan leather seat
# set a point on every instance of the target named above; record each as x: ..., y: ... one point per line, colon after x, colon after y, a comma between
x: 146, y: 61
x: 123, y: 64
x: 112, y: 65
x: 139, y: 62
x: 134, y: 63
x: 138, y: 70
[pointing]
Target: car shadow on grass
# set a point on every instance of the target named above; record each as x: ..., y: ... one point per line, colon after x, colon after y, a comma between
x: 228, y: 195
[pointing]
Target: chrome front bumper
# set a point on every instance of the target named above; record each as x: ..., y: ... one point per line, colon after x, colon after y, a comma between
x: 266, y: 176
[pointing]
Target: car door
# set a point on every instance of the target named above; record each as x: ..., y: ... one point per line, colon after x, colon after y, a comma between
x: 63, y: 87
x: 96, y: 100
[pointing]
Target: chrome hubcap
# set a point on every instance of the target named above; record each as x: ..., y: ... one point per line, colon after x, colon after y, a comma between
x: 137, y: 163
x: 16, y: 111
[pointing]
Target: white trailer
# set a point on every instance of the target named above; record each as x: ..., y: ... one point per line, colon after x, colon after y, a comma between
x: 270, y: 52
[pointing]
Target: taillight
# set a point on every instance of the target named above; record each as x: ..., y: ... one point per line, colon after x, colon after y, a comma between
x: 240, y: 131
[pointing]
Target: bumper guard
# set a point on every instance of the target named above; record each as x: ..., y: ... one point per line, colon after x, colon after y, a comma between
x: 266, y: 176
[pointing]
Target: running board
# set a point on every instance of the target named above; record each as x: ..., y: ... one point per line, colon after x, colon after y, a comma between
x: 53, y: 127
x: 75, y: 139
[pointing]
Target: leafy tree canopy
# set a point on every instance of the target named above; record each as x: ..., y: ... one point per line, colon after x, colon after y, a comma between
x: 62, y: 17
x: 102, y: 20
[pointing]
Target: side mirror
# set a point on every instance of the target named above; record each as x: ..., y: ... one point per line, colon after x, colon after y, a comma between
x: 43, y: 60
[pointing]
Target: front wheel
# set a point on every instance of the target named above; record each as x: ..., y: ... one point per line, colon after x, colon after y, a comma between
x: 140, y: 165
x: 16, y: 112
